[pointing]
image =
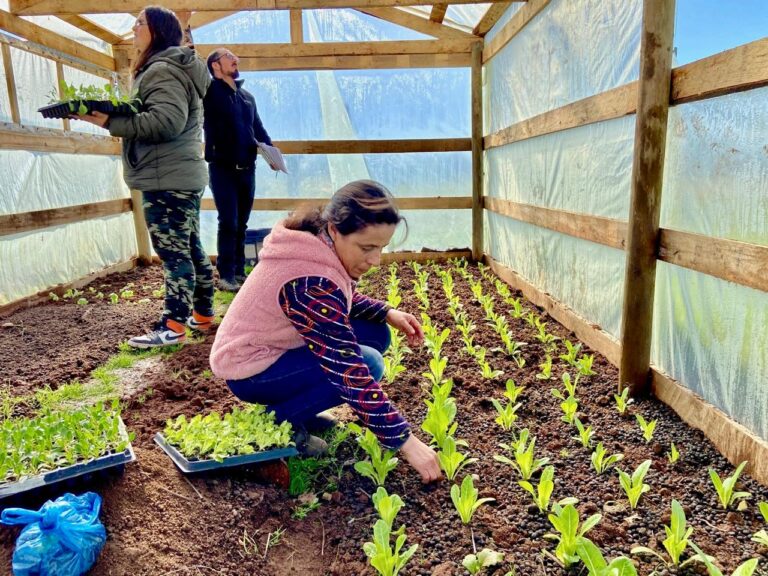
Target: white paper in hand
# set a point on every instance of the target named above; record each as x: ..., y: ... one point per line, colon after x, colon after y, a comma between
x: 273, y: 157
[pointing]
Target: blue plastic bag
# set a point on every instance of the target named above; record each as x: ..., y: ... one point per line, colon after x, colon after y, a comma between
x: 62, y: 539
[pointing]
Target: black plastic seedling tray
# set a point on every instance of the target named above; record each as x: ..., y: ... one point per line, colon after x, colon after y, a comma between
x: 69, y: 472
x: 191, y: 466
x: 62, y: 109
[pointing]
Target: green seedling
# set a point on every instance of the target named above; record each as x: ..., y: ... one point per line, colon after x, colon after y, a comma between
x: 647, y: 427
x: 546, y: 369
x: 584, y: 365
x: 585, y: 434
x: 570, y: 385
x: 726, y: 488
x: 308, y: 502
x: 565, y: 520
x: 517, y: 310
x: 385, y: 560
x: 572, y: 352
x: 676, y: 541
x: 392, y: 368
x: 673, y: 455
x: 387, y: 505
x: 569, y: 406
x: 761, y: 537
x: 53, y: 297
x: 439, y: 421
x: 745, y: 569
x: 633, y: 485
x: 114, y: 298
x: 436, y: 370
x: 542, y: 492
x: 623, y: 401
x: 597, y: 565
x: 512, y: 391
x: 82, y: 301
x: 451, y: 460
x: 465, y: 499
x: 507, y: 413
x: 763, y: 507
x: 381, y: 462
x: 525, y: 461
x: 486, y: 558
x: 600, y: 462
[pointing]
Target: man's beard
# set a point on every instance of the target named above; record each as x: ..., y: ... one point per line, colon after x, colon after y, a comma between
x: 235, y: 74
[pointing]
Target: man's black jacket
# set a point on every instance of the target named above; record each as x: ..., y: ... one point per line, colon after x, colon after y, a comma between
x: 232, y: 125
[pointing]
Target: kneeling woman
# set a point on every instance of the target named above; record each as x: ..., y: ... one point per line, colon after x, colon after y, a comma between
x: 299, y: 338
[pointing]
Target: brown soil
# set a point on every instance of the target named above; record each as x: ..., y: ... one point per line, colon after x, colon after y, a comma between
x: 160, y: 522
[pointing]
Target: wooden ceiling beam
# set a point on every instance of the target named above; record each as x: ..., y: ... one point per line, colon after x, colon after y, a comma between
x: 414, y: 22
x: 39, y: 35
x: 92, y: 28
x: 370, y: 62
x: 438, y: 13
x: 199, y: 19
x: 47, y: 7
x: 490, y: 18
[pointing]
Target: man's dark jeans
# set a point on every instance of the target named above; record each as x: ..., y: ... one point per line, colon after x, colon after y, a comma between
x: 233, y: 190
x: 295, y: 386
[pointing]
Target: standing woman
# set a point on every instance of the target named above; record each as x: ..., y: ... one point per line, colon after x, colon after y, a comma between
x: 162, y: 157
x: 299, y: 338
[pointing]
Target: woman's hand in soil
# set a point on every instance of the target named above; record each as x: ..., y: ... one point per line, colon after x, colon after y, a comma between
x: 95, y: 117
x: 422, y: 459
x: 408, y: 325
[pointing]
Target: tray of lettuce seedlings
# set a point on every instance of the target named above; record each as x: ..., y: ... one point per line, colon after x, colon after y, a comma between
x: 69, y: 100
x: 243, y: 436
x: 59, y: 444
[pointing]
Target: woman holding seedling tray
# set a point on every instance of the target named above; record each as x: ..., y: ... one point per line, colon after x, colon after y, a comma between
x: 299, y: 338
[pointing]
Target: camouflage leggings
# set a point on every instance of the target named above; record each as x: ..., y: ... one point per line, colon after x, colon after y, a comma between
x: 173, y: 220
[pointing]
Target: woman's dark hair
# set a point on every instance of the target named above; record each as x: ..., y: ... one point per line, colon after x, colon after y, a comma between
x: 165, y: 29
x: 353, y: 207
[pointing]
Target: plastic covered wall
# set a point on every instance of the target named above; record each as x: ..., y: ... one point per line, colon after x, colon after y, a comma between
x: 710, y: 334
x: 582, y: 50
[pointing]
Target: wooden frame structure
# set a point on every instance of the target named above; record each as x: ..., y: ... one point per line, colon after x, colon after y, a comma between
x: 741, y: 68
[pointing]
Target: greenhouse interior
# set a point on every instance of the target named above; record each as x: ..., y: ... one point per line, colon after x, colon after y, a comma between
x: 585, y: 187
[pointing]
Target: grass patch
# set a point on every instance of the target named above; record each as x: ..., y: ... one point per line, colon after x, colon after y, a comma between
x: 75, y: 393
x: 320, y: 474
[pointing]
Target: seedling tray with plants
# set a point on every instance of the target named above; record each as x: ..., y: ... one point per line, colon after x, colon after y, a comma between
x: 86, y: 99
x: 58, y: 445
x: 243, y: 436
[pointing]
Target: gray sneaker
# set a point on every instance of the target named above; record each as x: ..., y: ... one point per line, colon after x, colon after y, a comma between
x: 228, y: 285
x: 309, y: 445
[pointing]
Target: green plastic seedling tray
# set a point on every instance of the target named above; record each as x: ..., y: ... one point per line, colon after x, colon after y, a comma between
x: 69, y: 472
x: 191, y: 466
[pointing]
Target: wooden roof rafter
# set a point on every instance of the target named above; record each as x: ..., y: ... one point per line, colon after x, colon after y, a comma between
x: 490, y: 18
x: 414, y: 22
x: 438, y: 13
x: 91, y: 28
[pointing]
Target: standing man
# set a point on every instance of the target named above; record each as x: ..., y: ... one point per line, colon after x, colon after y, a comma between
x: 232, y: 129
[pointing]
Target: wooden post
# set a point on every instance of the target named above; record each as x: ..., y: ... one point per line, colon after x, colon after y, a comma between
x: 477, y: 152
x: 297, y: 27
x: 11, y: 83
x: 647, y: 175
x: 140, y: 224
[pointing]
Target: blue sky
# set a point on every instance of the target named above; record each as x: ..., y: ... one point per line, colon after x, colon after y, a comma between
x: 705, y: 27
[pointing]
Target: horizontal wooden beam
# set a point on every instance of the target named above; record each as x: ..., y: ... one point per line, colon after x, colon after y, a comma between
x: 44, y: 7
x: 519, y: 21
x: 738, y: 262
x: 38, y: 34
x: 741, y: 68
x: 60, y: 289
x: 598, y: 229
x: 373, y: 62
x: 415, y: 22
x: 733, y: 440
x: 44, y: 52
x: 199, y: 19
x: 423, y: 203
x: 92, y: 28
x: 39, y: 219
x: 14, y: 137
x: 592, y: 335
x: 490, y: 18
x: 317, y: 49
x: 389, y: 257
x: 374, y: 146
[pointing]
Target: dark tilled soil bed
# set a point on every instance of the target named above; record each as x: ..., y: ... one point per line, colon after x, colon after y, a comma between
x: 160, y: 522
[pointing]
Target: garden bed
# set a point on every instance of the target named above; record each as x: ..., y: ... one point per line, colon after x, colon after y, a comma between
x: 160, y: 522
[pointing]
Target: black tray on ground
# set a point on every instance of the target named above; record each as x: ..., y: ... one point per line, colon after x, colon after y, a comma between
x: 62, y: 109
x: 190, y: 466
x: 68, y: 472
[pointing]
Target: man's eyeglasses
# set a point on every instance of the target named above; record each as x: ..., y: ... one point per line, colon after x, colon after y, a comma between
x: 227, y: 55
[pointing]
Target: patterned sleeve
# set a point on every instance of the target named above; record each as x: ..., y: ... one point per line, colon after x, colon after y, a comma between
x: 368, y: 309
x: 317, y: 309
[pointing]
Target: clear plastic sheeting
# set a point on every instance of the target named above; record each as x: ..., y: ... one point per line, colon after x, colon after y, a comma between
x: 585, y: 276
x: 585, y: 170
x: 466, y: 15
x: 569, y: 51
x: 120, y: 24
x: 505, y: 18
x: 36, y: 81
x: 35, y: 261
x: 709, y: 335
x: 72, y: 32
x: 347, y: 25
x: 263, y: 26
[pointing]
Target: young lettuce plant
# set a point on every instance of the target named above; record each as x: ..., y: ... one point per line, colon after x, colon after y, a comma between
x: 569, y: 406
x: 385, y: 560
x: 381, y: 463
x: 507, y: 413
x: 439, y: 421
x: 437, y: 367
x: 600, y: 462
x: 572, y: 352
x: 465, y: 499
x: 584, y: 364
x: 673, y: 455
x: 676, y: 541
x: 726, y: 488
x: 623, y: 401
x: 565, y: 520
x: 543, y: 491
x: 486, y: 558
x: 633, y: 485
x: 517, y: 310
x: 392, y: 368
x: 585, y: 434
x: 525, y: 462
x: 387, y: 505
x: 546, y: 369
x: 451, y: 460
x: 647, y: 427
x: 745, y: 569
x: 597, y: 565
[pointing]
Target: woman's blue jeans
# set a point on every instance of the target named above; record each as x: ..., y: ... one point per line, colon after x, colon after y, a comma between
x: 297, y: 388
